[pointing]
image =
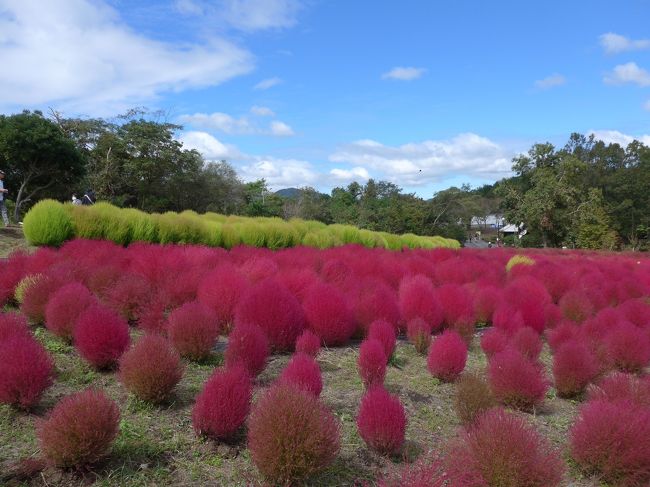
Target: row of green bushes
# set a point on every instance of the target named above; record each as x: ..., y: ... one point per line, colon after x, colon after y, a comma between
x: 52, y: 223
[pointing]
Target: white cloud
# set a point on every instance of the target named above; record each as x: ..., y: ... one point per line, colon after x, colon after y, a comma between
x: 628, y: 73
x: 354, y: 174
x: 281, y: 129
x: 417, y: 164
x: 219, y: 121
x: 262, y: 111
x: 616, y: 137
x: 80, y: 54
x: 252, y: 15
x: 616, y: 43
x: 404, y: 74
x: 279, y: 173
x: 267, y: 83
x: 646, y: 105
x: 209, y: 147
x: 189, y: 7
x: 550, y: 82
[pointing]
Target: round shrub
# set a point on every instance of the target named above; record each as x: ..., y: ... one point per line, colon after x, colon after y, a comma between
x: 151, y: 369
x: 501, y: 449
x: 472, y: 397
x: 384, y: 332
x: 275, y: 310
x: 221, y: 290
x: 417, y: 299
x: 64, y: 307
x: 302, y: 372
x: 193, y: 330
x: 418, y: 332
x: 447, y: 356
x: 372, y: 362
x: 419, y: 474
x: 48, y: 223
x: 493, y: 341
x: 26, y: 370
x: 223, y: 404
x: 375, y: 300
x: 291, y: 435
x: 457, y: 305
x: 36, y: 297
x: 613, y: 440
x: 486, y: 299
x: 515, y: 381
x: 622, y: 387
x: 328, y: 314
x: 308, y: 343
x: 101, y: 336
x: 574, y: 367
x: 576, y: 306
x: 128, y: 295
x: 248, y: 347
x: 381, y: 421
x: 80, y: 429
x: 527, y: 342
x: 627, y: 347
x: 13, y: 324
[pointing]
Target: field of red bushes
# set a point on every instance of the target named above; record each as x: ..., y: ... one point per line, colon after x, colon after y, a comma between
x: 324, y: 367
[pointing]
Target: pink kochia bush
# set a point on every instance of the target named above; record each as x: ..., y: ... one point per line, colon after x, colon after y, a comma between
x: 101, y: 336
x: 193, y: 330
x: 291, y: 435
x: 37, y: 295
x: 516, y: 381
x: 527, y: 342
x: 574, y: 367
x: 223, y: 404
x: 308, y: 343
x: 384, y: 332
x: 328, y: 314
x: 493, y: 341
x: 501, y: 449
x: 381, y: 421
x: 303, y: 372
x: 80, y: 429
x: 419, y: 334
x: 64, y: 307
x: 627, y: 347
x: 221, y: 290
x: 372, y: 362
x: 12, y: 324
x: 275, y: 310
x: 151, y: 369
x: 423, y: 473
x: 26, y: 371
x: 417, y: 299
x: 447, y: 356
x: 248, y: 347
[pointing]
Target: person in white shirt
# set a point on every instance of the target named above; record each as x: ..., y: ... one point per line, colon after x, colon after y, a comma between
x: 3, y: 207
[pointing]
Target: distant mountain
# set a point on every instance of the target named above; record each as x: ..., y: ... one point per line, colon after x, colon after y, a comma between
x: 290, y: 193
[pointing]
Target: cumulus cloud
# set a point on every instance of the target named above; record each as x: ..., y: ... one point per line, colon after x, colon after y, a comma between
x: 208, y: 146
x: 279, y: 173
x: 404, y: 74
x: 628, y: 73
x: 616, y: 137
x: 281, y: 129
x: 80, y: 54
x: 615, y: 43
x: 550, y: 82
x: 262, y: 111
x: 267, y: 83
x: 354, y: 174
x: 421, y: 163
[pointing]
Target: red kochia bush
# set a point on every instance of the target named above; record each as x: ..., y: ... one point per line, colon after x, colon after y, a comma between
x: 419, y: 334
x: 79, y: 430
x: 515, y: 381
x: 26, y: 370
x: 151, y: 369
x: 420, y: 474
x: 417, y: 299
x: 627, y: 347
x: 576, y: 306
x: 382, y: 421
x: 501, y: 449
x: 303, y: 372
x: 447, y: 356
x: 221, y: 290
x: 193, y: 329
x: 574, y: 367
x: 486, y: 299
x: 309, y: 343
x: 328, y: 314
x: 622, y: 387
x: 12, y: 324
x: 223, y: 404
x: 275, y: 310
x: 372, y: 362
x: 384, y: 332
x: 457, y: 305
x: 101, y: 336
x: 65, y: 306
x: 375, y: 300
x: 248, y: 347
x: 36, y: 297
x: 291, y: 435
x: 613, y: 439
x: 493, y: 341
x: 527, y: 342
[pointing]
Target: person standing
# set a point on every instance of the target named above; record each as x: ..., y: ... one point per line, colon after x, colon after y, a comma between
x: 3, y: 207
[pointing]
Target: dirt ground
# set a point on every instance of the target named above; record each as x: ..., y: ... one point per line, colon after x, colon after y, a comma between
x: 11, y: 238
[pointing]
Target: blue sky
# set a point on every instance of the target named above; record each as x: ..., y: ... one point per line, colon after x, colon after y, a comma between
x: 425, y: 94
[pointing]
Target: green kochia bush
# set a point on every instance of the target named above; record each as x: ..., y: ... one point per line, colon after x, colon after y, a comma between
x: 47, y: 223
x: 51, y: 223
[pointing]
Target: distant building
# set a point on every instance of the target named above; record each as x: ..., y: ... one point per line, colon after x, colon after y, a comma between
x: 488, y: 221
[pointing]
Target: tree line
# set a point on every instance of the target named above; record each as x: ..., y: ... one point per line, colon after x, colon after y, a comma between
x: 587, y: 194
